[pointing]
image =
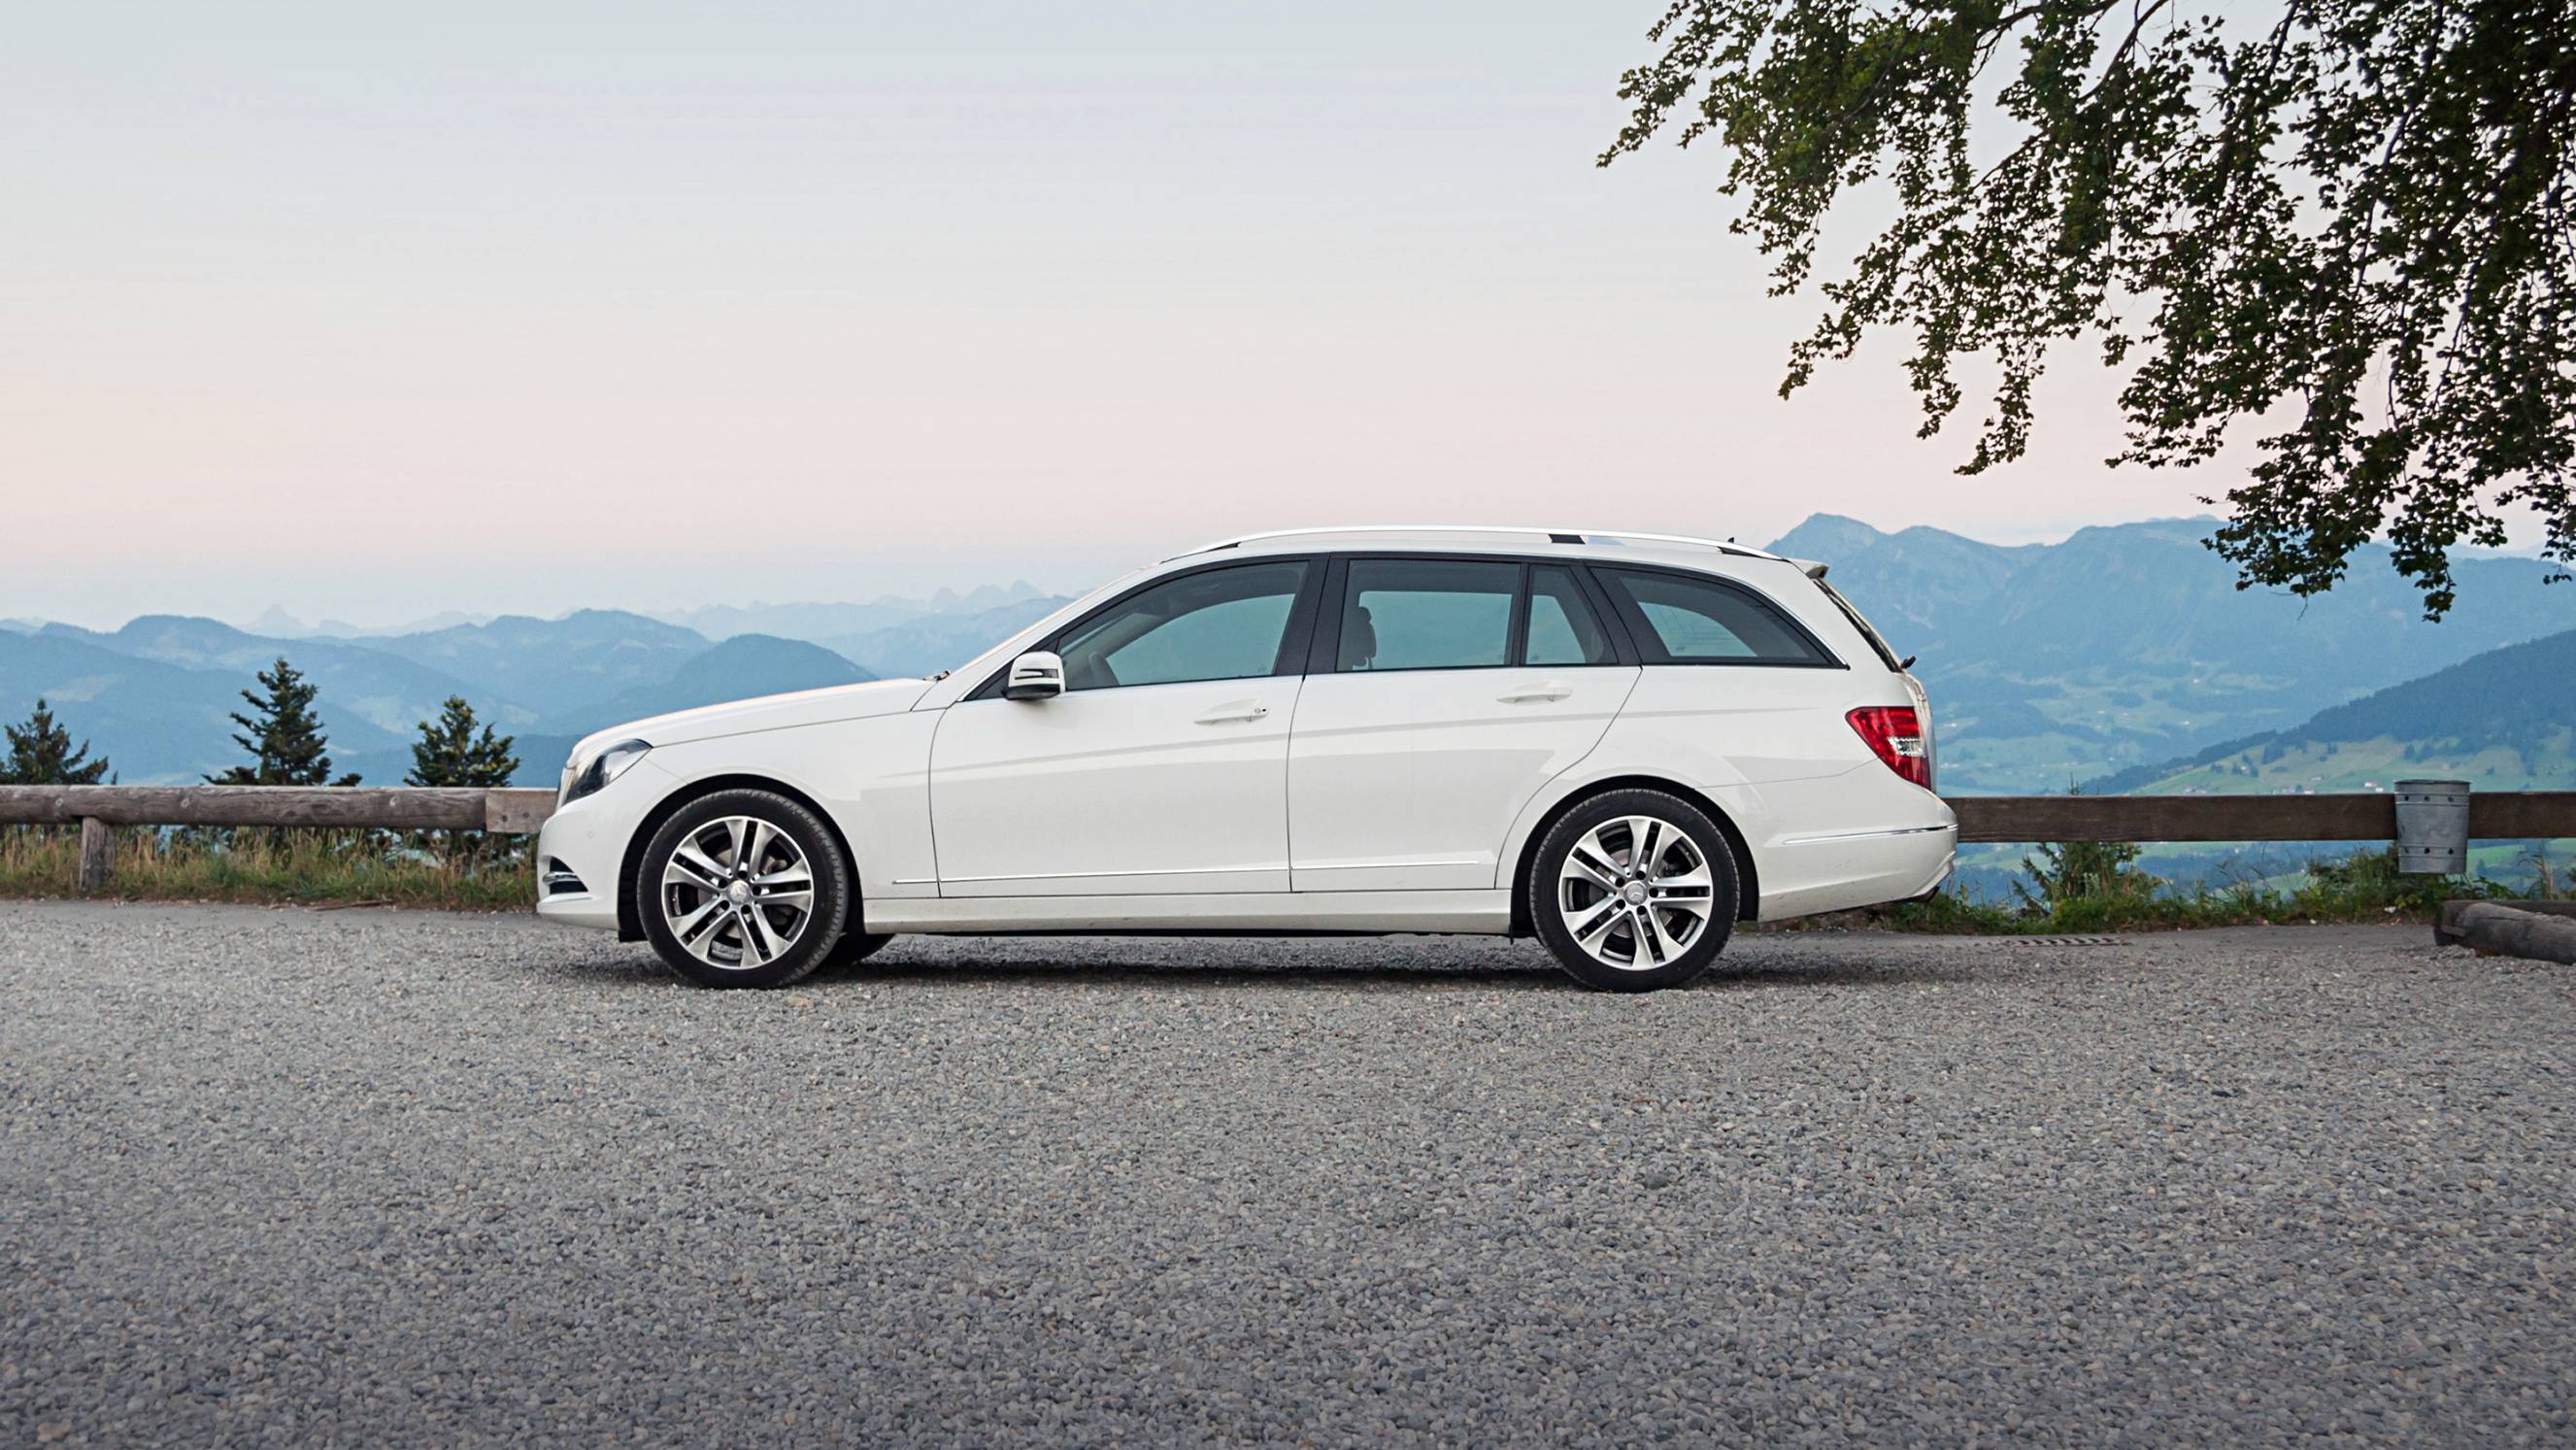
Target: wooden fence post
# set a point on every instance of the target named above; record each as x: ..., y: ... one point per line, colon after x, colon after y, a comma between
x: 97, y: 849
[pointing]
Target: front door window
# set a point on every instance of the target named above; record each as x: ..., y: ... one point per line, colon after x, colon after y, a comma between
x: 1219, y: 624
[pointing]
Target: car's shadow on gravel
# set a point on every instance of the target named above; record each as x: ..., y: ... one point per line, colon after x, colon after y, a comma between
x: 1218, y: 964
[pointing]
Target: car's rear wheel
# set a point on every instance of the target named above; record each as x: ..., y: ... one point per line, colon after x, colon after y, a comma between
x: 743, y: 888
x: 1634, y: 890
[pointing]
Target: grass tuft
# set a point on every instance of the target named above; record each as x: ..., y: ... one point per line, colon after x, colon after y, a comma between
x: 310, y: 867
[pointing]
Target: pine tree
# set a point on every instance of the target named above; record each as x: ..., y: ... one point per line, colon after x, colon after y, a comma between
x: 449, y: 752
x: 286, y: 742
x: 41, y: 753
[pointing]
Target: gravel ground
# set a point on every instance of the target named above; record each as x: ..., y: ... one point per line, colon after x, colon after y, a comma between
x: 379, y: 1178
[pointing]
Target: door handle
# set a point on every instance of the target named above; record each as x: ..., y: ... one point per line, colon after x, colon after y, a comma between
x: 1230, y: 714
x: 1532, y: 694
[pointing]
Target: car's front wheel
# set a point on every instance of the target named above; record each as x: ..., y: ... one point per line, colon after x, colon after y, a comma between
x: 743, y: 888
x: 1634, y: 890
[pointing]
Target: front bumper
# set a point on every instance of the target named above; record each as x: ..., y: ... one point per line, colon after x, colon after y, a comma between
x: 589, y: 846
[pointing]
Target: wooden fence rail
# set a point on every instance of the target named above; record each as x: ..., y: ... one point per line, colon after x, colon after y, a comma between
x: 2494, y: 816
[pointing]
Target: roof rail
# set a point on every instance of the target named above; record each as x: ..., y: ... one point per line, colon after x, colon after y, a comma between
x: 1560, y: 536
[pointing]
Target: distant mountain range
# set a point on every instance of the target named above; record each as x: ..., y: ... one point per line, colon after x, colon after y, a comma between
x: 2124, y: 654
x: 2054, y: 664
x: 2503, y: 720
x: 155, y: 696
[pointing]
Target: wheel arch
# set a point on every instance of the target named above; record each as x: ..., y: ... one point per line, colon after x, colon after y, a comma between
x: 1747, y: 875
x: 630, y: 926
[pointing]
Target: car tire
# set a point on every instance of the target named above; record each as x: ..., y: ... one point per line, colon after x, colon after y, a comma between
x: 1622, y: 924
x: 743, y: 888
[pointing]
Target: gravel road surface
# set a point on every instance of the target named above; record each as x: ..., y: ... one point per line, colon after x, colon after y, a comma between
x: 378, y: 1178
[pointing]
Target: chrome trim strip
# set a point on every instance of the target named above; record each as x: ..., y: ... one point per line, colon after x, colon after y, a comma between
x: 1104, y: 875
x: 1862, y: 835
x: 1383, y: 865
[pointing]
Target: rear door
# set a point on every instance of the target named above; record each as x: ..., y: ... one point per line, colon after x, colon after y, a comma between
x: 1442, y: 692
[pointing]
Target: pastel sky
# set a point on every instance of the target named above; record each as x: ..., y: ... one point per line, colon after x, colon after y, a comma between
x: 373, y: 311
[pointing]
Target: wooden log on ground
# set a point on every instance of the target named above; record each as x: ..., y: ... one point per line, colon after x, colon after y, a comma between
x: 2508, y: 928
x: 387, y: 807
x: 97, y: 853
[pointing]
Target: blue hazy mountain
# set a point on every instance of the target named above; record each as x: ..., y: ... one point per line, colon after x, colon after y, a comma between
x: 739, y: 668
x: 2051, y: 664
x: 155, y: 722
x: 154, y: 695
x: 360, y: 684
x: 549, y: 666
x: 934, y: 642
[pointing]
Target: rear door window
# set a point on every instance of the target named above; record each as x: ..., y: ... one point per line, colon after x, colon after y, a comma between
x: 1427, y: 614
x: 1685, y: 620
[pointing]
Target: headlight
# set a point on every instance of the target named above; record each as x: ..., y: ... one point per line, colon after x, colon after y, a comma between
x: 585, y: 775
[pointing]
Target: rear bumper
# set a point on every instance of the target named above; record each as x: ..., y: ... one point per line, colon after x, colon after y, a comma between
x: 1842, y: 872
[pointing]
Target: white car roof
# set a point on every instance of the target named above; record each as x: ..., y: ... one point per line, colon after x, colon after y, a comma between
x: 1595, y: 543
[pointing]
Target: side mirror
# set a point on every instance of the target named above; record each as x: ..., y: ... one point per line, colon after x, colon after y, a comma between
x: 1037, y: 675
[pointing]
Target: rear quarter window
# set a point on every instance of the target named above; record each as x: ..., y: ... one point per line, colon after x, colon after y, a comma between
x: 1685, y: 620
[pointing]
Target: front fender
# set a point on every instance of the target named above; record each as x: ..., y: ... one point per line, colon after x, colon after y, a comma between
x: 870, y: 776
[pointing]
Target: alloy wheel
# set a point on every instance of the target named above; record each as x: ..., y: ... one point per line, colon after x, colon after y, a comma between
x: 737, y: 893
x: 1635, y: 893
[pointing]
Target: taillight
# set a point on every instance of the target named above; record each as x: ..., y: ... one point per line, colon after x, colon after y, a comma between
x: 1894, y: 733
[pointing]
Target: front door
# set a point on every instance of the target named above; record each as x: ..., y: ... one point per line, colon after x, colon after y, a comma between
x: 1162, y: 768
x: 1450, y: 693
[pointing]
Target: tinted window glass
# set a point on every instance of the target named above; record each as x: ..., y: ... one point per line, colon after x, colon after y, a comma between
x: 1563, y: 630
x: 1222, y: 624
x: 1694, y: 621
x: 1427, y: 614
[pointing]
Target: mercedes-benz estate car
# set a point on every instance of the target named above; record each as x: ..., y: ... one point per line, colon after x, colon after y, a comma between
x: 1623, y: 744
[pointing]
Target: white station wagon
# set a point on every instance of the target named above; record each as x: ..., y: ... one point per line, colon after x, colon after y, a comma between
x: 1623, y: 743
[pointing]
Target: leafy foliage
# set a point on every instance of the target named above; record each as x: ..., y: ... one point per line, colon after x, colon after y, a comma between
x: 285, y: 738
x: 2351, y: 221
x: 41, y: 753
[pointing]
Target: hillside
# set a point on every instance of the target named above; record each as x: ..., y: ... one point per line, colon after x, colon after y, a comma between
x: 154, y: 722
x: 2503, y: 720
x: 2129, y: 644
x: 550, y: 666
x: 741, y: 668
x: 386, y: 691
x: 154, y: 695
x: 937, y: 642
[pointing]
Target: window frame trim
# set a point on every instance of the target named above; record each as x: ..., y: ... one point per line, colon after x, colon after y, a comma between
x: 1293, y: 640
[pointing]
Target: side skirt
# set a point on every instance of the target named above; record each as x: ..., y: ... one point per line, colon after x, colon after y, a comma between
x: 1271, y: 913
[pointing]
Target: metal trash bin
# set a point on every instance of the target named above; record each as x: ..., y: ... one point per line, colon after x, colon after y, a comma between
x: 2432, y: 827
